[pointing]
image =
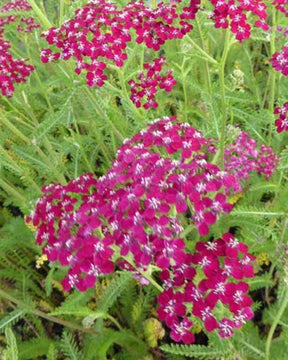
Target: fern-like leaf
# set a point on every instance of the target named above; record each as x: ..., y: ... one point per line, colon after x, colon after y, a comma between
x: 69, y: 347
x: 11, y: 319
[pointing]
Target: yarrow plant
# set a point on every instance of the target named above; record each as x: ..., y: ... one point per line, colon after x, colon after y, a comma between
x: 160, y: 181
x: 175, y: 231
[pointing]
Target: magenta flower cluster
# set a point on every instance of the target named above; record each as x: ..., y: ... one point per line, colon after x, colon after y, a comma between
x: 242, y: 157
x: 136, y: 206
x: 101, y: 30
x: 281, y: 5
x: 233, y: 14
x: 134, y: 216
x: 220, y: 267
x: 279, y: 61
x: 13, y: 70
x: 282, y: 122
x: 18, y: 5
x: 147, y: 84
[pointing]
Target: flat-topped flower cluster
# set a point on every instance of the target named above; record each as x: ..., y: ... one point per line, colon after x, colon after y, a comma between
x: 160, y: 183
x: 281, y: 5
x: 101, y: 30
x: 148, y: 82
x: 13, y: 70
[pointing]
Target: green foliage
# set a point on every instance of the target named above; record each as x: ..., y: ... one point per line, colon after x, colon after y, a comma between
x: 12, y: 351
x: 69, y: 347
x: 11, y: 319
x: 196, y: 351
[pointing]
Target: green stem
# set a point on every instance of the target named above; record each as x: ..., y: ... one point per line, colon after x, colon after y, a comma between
x: 42, y: 18
x: 223, y: 97
x: 43, y: 315
x: 61, y: 12
x: 201, y: 51
x: 103, y: 115
x: 206, y: 65
x: 273, y: 75
x: 275, y: 323
x: 184, y: 89
x: 145, y: 275
x: 126, y: 95
x: 43, y: 88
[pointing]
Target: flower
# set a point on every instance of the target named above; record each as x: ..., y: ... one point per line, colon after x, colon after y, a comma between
x: 282, y: 122
x: 101, y: 31
x: 130, y: 217
x: 279, y: 61
x: 146, y: 87
x: 242, y: 157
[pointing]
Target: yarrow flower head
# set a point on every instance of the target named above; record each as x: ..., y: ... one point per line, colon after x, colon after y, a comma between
x: 242, y: 157
x: 13, y: 70
x: 233, y: 13
x: 282, y: 122
x: 221, y: 265
x: 279, y: 61
x: 147, y: 84
x: 281, y: 5
x: 131, y: 217
x: 18, y: 5
x: 101, y: 30
x: 135, y: 206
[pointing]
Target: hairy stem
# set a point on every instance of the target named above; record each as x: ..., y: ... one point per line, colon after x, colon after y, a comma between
x: 201, y: 51
x: 273, y: 75
x: 43, y: 315
x: 275, y: 323
x: 223, y: 97
x: 41, y: 16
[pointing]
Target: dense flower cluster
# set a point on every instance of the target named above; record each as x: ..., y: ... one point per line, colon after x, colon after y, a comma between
x: 147, y: 86
x: 242, y: 157
x: 11, y: 70
x: 233, y: 13
x: 220, y: 265
x: 281, y: 5
x: 279, y: 61
x: 135, y: 206
x: 134, y: 216
x: 101, y: 30
x: 18, y: 5
x: 282, y: 122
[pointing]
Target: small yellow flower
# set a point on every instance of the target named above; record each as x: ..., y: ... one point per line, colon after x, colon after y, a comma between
x: 41, y: 260
x: 235, y: 198
x: 262, y: 259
